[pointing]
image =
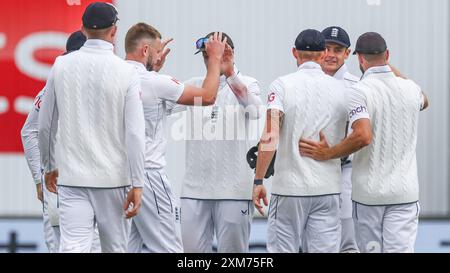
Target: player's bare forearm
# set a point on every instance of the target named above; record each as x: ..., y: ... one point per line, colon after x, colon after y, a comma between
x: 269, y: 142
x: 238, y: 88
x: 215, y: 49
x: 358, y: 139
x: 264, y: 159
x: 247, y: 96
x: 351, y: 144
x: 211, y: 82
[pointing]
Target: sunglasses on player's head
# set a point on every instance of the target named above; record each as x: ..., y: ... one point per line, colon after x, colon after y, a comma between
x: 200, y: 44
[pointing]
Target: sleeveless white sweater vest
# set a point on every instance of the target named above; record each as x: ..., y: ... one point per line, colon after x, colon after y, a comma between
x: 313, y: 102
x: 385, y: 172
x: 90, y: 88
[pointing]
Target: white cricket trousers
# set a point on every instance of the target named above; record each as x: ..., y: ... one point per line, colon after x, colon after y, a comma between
x: 81, y: 208
x: 310, y: 223
x: 348, y: 238
x: 158, y: 223
x: 229, y: 220
x: 50, y: 217
x: 386, y: 229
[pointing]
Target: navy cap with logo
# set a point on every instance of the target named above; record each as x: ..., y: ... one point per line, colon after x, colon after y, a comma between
x: 310, y: 40
x: 76, y: 41
x: 100, y: 15
x: 370, y: 43
x: 336, y: 35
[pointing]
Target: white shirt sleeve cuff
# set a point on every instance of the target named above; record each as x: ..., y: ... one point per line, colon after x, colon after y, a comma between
x: 357, y: 117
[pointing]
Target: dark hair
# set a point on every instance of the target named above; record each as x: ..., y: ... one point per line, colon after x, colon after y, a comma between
x: 374, y: 57
x: 229, y: 41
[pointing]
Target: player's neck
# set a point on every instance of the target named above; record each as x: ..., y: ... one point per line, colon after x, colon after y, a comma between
x: 131, y: 57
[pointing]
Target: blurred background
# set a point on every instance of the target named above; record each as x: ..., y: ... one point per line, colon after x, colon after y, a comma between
x: 33, y: 33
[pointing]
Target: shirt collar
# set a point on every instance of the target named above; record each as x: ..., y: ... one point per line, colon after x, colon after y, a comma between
x: 310, y: 65
x: 377, y: 70
x: 341, y: 72
x: 138, y: 65
x: 100, y: 44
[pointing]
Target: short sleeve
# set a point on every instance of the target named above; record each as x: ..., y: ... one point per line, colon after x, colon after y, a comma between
x: 168, y: 88
x: 357, y: 105
x: 421, y: 96
x: 275, y: 99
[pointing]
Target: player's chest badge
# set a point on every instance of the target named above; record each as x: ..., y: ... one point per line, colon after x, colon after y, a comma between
x: 215, y: 113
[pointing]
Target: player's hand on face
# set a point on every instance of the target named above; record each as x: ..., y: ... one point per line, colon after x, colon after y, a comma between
x: 215, y: 47
x: 315, y: 150
x: 259, y: 192
x: 133, y: 202
x: 51, y: 179
x: 39, y: 192
x: 162, y: 58
x: 227, y: 65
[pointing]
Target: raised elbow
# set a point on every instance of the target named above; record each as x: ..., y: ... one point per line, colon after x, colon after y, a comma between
x: 209, y: 101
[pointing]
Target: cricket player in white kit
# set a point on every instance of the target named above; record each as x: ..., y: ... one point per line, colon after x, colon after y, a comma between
x: 91, y: 126
x: 304, y: 207
x: 338, y: 44
x: 158, y: 224
x: 216, y: 195
x: 383, y: 112
x: 30, y: 142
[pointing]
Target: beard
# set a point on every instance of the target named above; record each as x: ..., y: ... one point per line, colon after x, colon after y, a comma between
x: 149, y: 64
x: 362, y: 69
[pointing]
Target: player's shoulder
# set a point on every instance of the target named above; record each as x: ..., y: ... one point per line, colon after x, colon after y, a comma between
x: 407, y: 82
x: 61, y: 60
x: 247, y: 79
x: 330, y: 81
x: 195, y: 81
x: 120, y: 63
x: 117, y: 59
x: 167, y: 78
x: 361, y: 88
x: 409, y: 86
x: 162, y: 83
x: 349, y: 77
x: 40, y: 93
x: 286, y: 79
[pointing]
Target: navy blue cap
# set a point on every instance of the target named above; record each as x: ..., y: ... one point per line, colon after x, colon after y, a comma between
x: 310, y: 40
x: 76, y: 41
x: 99, y: 15
x: 370, y: 43
x: 336, y: 35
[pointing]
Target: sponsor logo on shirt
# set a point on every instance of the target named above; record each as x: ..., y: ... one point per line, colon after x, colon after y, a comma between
x: 215, y: 113
x: 271, y: 97
x: 357, y: 110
